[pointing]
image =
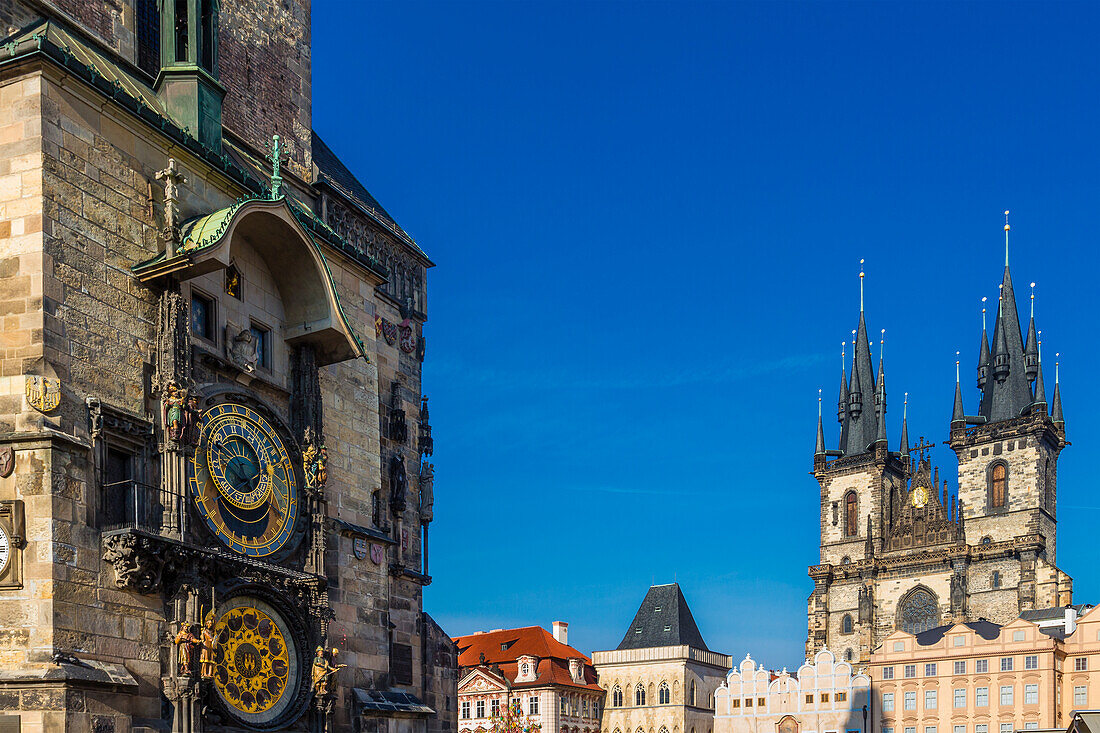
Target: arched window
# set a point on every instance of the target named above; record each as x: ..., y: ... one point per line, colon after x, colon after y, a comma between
x: 846, y: 624
x: 987, y: 540
x: 691, y: 699
x: 847, y: 655
x: 998, y: 485
x: 639, y: 695
x: 995, y: 581
x: 851, y: 515
x: 525, y: 669
x: 918, y: 611
x: 788, y: 725
x: 616, y: 698
x: 845, y: 560
x: 663, y: 697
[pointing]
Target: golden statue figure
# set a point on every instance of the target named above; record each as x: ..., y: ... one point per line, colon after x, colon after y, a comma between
x: 209, y: 644
x: 323, y: 671
x: 186, y: 641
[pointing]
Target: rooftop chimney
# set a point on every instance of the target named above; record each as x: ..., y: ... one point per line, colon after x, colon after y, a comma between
x: 561, y: 632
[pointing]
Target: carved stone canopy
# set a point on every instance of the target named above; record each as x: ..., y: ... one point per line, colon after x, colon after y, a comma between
x: 309, y: 298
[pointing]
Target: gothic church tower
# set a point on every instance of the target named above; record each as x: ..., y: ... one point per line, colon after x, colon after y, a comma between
x: 897, y: 550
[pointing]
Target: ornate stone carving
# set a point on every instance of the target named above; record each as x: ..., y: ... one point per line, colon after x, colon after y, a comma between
x: 398, y: 483
x: 240, y: 347
x: 137, y: 560
x: 305, y: 400
x: 958, y: 594
x: 170, y: 234
x: 314, y: 463
x: 424, y: 442
x: 399, y: 428
x: 173, y: 345
x: 43, y: 393
x: 427, y: 492
x: 7, y: 461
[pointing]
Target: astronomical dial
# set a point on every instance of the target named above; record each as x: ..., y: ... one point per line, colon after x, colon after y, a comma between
x: 5, y: 550
x: 258, y: 670
x: 920, y: 496
x: 243, y: 481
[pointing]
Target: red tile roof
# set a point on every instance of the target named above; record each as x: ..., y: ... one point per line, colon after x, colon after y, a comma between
x: 535, y: 641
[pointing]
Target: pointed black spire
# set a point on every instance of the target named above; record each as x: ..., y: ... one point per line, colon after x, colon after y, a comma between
x: 819, y: 449
x: 842, y: 402
x: 862, y: 426
x: 880, y: 437
x: 1056, y: 405
x: 905, y: 428
x: 1008, y: 394
x: 958, y: 416
x: 984, y: 359
x: 1031, y: 347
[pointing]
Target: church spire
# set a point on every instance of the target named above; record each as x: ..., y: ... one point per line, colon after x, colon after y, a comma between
x: 819, y: 449
x: 1031, y: 346
x: 1040, y: 388
x: 880, y: 437
x: 1056, y: 407
x: 862, y: 420
x: 905, y: 430
x: 842, y: 401
x: 958, y: 416
x: 1008, y: 394
x: 984, y: 359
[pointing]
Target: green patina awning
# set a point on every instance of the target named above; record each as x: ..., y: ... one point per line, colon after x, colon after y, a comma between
x: 278, y: 233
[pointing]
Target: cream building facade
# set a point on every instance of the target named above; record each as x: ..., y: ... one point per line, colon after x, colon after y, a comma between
x: 979, y: 677
x: 824, y: 696
x: 662, y: 677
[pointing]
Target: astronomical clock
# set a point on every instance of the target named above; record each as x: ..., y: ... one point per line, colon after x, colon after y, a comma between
x: 243, y: 481
x: 244, y: 486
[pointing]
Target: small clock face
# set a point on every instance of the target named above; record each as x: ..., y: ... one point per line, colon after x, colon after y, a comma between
x: 5, y: 550
x: 920, y: 496
x: 243, y: 481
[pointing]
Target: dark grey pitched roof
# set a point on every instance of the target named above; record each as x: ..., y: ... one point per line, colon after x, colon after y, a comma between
x: 1055, y: 612
x: 985, y: 629
x: 663, y: 619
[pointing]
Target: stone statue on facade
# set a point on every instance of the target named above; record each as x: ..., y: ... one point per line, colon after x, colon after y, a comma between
x: 427, y: 492
x: 315, y: 462
x: 240, y: 347
x: 172, y: 180
x: 398, y: 482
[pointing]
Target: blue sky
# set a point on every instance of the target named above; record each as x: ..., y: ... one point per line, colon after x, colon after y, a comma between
x: 648, y: 220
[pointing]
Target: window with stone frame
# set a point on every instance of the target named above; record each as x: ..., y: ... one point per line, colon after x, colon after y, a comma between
x: 846, y: 624
x: 851, y: 514
x: 616, y: 697
x: 663, y: 696
x: 639, y: 695
x: 998, y: 485
x: 123, y: 452
x: 918, y: 611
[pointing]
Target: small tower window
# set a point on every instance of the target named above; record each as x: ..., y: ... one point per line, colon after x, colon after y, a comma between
x: 996, y: 580
x: 692, y: 698
x: 846, y: 624
x: 851, y: 515
x: 998, y: 485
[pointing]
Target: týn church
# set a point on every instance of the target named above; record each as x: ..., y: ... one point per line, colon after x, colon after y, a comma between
x: 899, y: 550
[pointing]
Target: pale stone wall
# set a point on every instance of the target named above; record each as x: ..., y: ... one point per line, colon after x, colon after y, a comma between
x: 678, y: 667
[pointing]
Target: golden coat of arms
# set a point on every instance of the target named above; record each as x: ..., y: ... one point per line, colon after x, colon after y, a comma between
x: 44, y: 393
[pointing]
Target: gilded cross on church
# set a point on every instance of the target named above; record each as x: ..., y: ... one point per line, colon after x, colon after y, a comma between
x: 172, y: 179
x: 276, y: 157
x: 922, y: 447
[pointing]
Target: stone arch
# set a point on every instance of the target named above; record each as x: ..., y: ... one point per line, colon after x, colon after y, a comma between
x: 787, y: 724
x: 310, y: 302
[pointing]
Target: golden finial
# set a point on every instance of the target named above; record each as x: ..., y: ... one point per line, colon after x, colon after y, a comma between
x: 905, y: 407
x: 1006, y: 238
x: 1039, y: 342
x: 1032, y: 300
x: 957, y: 367
x: 860, y: 287
x: 983, y: 311
x: 819, y: 403
x: 1057, y: 357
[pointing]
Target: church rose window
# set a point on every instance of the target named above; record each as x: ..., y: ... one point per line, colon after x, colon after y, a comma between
x: 919, y: 612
